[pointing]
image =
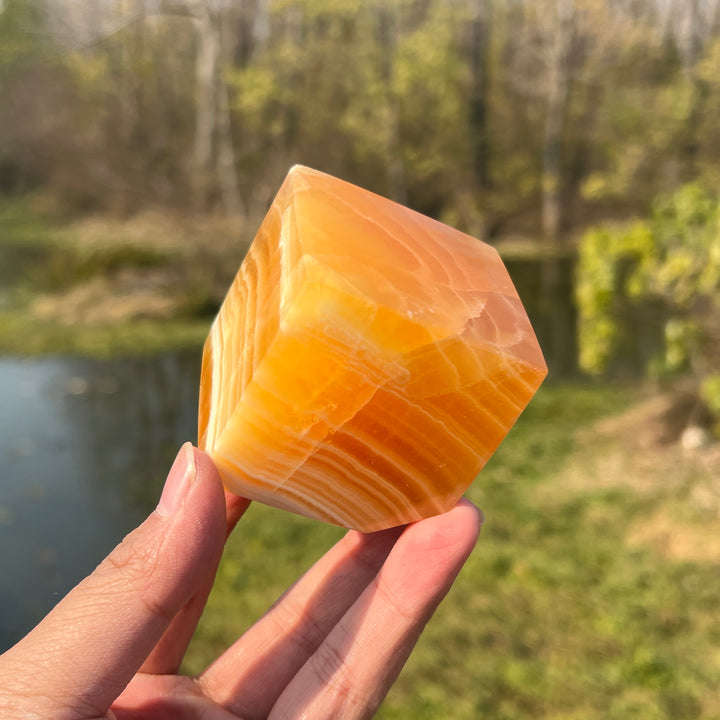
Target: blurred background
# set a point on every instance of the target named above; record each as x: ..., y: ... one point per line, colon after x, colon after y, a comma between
x: 141, y: 143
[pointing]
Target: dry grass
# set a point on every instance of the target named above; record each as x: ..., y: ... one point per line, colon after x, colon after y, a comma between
x: 640, y: 450
x: 93, y: 274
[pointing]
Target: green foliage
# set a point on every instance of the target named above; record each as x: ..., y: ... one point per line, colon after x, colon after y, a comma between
x: 48, y: 260
x: 665, y: 270
x: 21, y: 333
x: 440, y: 104
x: 429, y: 79
x: 710, y: 392
x: 20, y: 42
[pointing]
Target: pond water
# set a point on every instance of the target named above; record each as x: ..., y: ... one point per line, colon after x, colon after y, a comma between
x: 84, y: 449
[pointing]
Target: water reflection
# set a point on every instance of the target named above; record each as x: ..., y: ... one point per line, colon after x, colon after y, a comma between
x: 84, y: 447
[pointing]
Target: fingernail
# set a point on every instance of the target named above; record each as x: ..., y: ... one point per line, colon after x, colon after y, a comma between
x: 180, y: 478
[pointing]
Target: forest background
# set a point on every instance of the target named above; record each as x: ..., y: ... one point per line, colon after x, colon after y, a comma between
x: 141, y: 142
x: 522, y: 123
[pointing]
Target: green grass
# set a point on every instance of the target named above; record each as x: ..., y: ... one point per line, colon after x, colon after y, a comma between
x: 45, y: 255
x: 554, y: 616
x: 23, y: 334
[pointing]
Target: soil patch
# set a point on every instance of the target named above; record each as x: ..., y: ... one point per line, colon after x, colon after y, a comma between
x: 642, y: 450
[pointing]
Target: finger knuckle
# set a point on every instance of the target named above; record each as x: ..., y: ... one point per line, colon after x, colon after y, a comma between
x: 137, y: 566
x: 394, y: 602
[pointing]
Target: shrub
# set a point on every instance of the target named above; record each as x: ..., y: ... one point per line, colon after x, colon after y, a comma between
x: 648, y: 292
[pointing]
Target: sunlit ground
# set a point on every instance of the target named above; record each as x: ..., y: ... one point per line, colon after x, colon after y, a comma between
x: 592, y: 593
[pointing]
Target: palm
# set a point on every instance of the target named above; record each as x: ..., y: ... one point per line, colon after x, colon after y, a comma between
x: 330, y: 647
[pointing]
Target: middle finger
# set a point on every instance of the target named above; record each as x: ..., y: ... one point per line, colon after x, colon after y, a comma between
x: 248, y: 678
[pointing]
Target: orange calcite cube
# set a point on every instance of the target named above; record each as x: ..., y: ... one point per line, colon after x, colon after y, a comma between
x: 366, y: 362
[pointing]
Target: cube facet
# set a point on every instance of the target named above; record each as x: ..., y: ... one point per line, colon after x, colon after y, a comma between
x: 366, y: 362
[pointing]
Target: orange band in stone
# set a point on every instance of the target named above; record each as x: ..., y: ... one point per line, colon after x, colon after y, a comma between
x: 366, y: 362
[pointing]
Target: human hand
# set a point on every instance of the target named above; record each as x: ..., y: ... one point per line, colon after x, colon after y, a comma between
x: 329, y: 648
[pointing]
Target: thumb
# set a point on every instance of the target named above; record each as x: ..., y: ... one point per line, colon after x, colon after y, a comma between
x: 81, y: 656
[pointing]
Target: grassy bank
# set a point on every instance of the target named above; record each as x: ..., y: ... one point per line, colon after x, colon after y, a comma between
x: 574, y: 604
x: 106, y: 286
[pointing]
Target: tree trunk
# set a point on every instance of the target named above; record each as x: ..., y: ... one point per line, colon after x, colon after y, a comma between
x: 213, y: 131
x: 395, y: 168
x: 206, y: 72
x: 226, y: 156
x: 558, y: 81
x: 557, y: 335
x: 261, y: 27
x: 479, y: 29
